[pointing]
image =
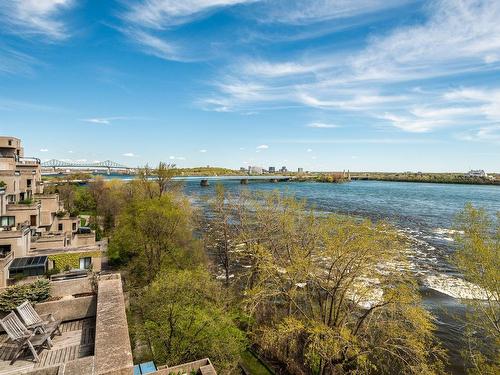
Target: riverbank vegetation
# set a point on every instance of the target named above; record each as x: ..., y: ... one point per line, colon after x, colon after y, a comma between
x: 311, y: 294
x: 478, y: 258
x: 441, y: 178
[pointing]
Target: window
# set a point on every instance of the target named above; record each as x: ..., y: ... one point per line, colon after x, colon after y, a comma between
x: 5, y: 250
x: 28, y: 183
x: 85, y: 263
x: 74, y: 227
x: 7, y: 221
x: 60, y: 227
x: 10, y: 142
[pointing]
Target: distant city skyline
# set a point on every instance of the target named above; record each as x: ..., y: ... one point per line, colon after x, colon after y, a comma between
x: 371, y: 85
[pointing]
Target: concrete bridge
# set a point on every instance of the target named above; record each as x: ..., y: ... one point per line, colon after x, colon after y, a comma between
x: 244, y: 180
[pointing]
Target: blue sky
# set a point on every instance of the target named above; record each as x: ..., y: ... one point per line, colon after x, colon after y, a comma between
x: 321, y: 84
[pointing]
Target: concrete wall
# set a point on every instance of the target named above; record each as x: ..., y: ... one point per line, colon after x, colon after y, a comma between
x: 10, y: 143
x: 69, y: 287
x: 4, y: 269
x: 10, y: 179
x: 23, y: 212
x: 50, y: 205
x: 48, y: 242
x: 69, y: 308
x: 67, y: 224
x: 19, y: 241
x: 113, y: 353
x: 83, y: 239
x: 187, y: 368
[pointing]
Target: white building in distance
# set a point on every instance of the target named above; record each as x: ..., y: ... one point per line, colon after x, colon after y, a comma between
x: 477, y: 173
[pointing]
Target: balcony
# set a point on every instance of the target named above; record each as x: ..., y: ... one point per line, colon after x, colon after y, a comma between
x: 27, y: 161
x: 24, y: 205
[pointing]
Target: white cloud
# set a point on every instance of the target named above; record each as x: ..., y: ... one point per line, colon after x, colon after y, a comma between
x: 97, y: 120
x: 104, y: 120
x: 303, y: 12
x: 309, y: 150
x: 414, y: 124
x: 44, y: 150
x: 161, y: 14
x: 267, y: 69
x: 151, y: 22
x: 458, y: 108
x: 454, y: 37
x: 129, y: 154
x: 489, y: 134
x: 35, y: 17
x: 321, y: 125
x: 177, y: 158
x: 262, y: 147
x: 155, y: 45
x: 148, y: 22
x: 13, y: 61
x: 203, y: 151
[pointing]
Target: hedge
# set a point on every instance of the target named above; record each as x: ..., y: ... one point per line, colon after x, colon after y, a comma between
x: 71, y: 260
x: 13, y: 296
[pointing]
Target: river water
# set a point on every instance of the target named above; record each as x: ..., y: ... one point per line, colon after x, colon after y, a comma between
x: 423, y: 212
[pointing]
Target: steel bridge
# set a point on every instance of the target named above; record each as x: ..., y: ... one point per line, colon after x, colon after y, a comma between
x: 107, y: 165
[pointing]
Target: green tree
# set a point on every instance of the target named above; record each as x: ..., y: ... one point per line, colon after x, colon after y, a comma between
x: 152, y: 233
x: 107, y: 196
x: 185, y: 317
x: 478, y: 258
x: 85, y: 202
x: 329, y: 294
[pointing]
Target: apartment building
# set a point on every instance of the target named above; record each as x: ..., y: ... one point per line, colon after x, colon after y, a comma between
x: 34, y: 224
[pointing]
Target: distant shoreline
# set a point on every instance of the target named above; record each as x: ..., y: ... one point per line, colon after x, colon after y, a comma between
x: 319, y: 177
x: 487, y: 183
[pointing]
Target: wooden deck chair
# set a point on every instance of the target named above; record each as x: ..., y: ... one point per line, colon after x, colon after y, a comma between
x: 37, y: 323
x: 23, y: 337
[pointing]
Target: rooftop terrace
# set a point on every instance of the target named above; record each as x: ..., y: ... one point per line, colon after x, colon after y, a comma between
x: 76, y: 341
x: 94, y: 337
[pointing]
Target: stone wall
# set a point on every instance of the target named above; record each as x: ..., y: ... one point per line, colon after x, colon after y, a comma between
x: 113, y: 353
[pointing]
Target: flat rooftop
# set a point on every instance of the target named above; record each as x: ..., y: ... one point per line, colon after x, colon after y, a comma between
x: 77, y: 341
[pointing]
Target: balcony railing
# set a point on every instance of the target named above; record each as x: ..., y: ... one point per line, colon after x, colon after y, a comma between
x: 27, y: 161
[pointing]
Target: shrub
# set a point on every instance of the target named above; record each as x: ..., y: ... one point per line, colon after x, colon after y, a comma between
x: 98, y: 231
x: 13, y: 296
x: 60, y: 214
x: 2, y: 184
